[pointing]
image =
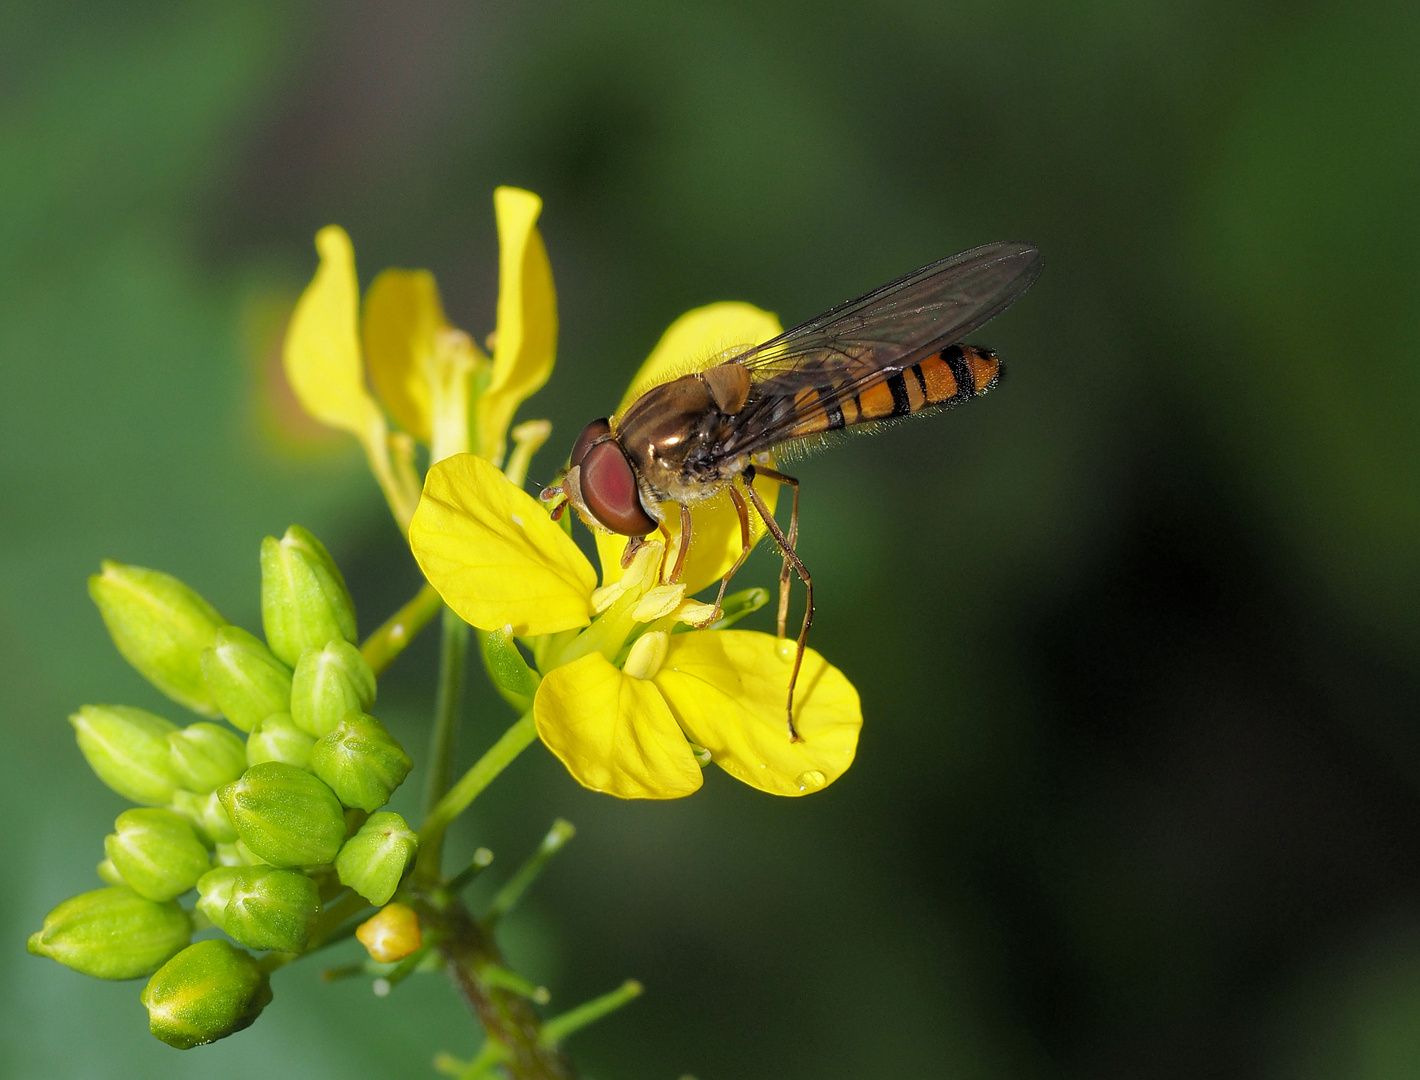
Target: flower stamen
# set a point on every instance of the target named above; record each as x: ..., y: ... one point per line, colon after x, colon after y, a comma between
x: 655, y: 603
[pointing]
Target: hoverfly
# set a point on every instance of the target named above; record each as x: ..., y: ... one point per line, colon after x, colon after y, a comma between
x: 889, y: 354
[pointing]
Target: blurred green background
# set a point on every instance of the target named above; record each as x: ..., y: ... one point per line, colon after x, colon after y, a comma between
x: 1137, y: 636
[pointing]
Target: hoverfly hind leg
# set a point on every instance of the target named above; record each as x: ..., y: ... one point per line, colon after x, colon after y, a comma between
x: 791, y: 559
x: 783, y: 478
x: 746, y: 543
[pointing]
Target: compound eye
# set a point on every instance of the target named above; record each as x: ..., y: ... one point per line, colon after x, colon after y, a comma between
x: 609, y: 490
x: 597, y: 429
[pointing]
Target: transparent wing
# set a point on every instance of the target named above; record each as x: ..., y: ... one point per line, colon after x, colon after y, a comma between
x: 860, y: 343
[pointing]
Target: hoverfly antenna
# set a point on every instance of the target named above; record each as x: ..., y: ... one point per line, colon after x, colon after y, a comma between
x: 555, y: 498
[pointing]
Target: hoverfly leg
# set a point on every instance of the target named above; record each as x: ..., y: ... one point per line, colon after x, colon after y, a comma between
x: 633, y: 545
x: 684, y: 544
x: 791, y: 557
x: 665, y: 551
x: 745, y: 545
x: 793, y: 541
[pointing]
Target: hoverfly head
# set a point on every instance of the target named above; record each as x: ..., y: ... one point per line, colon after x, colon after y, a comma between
x: 593, y: 432
x: 557, y: 492
x: 601, y: 483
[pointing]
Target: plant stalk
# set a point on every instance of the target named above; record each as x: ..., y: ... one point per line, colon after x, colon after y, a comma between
x: 507, y: 1018
x: 456, y: 800
x: 386, y: 643
x: 453, y: 657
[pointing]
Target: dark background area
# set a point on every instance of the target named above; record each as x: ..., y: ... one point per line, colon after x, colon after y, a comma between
x: 1137, y: 636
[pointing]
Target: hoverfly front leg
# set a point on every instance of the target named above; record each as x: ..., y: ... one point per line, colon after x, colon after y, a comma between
x: 665, y: 550
x: 633, y: 545
x: 791, y: 558
x: 684, y: 543
x: 745, y: 545
x: 680, y: 552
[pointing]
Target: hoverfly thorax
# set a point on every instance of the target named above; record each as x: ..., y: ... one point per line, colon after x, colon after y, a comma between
x: 672, y: 435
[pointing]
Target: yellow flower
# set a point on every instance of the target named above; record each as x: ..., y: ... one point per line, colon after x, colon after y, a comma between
x: 629, y: 699
x: 622, y: 701
x: 426, y: 372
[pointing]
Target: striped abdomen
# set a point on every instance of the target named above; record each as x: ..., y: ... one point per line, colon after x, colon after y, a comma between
x: 946, y: 378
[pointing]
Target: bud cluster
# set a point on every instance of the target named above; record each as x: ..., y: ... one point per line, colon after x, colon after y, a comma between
x: 267, y: 828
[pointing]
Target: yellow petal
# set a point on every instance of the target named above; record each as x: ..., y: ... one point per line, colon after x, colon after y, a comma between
x: 322, y: 350
x: 494, y: 555
x: 714, y: 538
x: 727, y: 689
x: 402, y: 315
x: 701, y: 337
x: 614, y: 732
x: 526, y: 340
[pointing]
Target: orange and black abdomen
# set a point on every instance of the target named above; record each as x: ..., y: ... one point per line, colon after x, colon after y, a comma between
x: 945, y: 378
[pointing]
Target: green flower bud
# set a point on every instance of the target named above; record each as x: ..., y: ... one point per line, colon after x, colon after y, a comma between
x: 206, y: 992
x: 260, y: 906
x: 206, y: 756
x: 304, y: 602
x: 206, y: 814
x: 112, y: 933
x: 373, y: 861
x: 128, y: 749
x: 361, y: 761
x: 108, y: 873
x: 237, y: 854
x: 277, y: 738
x: 330, y: 682
x: 354, y: 819
x: 246, y: 680
x: 161, y: 627
x: 285, y: 815
x: 157, y: 853
x: 513, y: 679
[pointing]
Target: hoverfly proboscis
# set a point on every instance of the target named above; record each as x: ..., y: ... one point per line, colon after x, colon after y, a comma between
x: 892, y: 353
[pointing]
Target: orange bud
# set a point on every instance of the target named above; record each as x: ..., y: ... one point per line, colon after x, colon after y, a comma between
x: 392, y: 934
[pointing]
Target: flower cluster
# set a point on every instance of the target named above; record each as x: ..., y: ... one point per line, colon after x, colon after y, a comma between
x: 275, y: 832
x: 281, y: 833
x: 637, y: 702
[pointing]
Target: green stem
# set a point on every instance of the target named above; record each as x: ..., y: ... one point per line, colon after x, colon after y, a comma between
x: 389, y: 640
x: 502, y: 979
x: 455, y: 885
x: 514, y: 1031
x: 405, y: 967
x: 452, y: 660
x: 512, y: 892
x: 499, y: 756
x: 334, y: 919
x: 559, y: 1027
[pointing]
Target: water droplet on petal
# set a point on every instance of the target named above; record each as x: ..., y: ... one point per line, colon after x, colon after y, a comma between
x: 786, y: 647
x: 517, y: 521
x: 811, y: 780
